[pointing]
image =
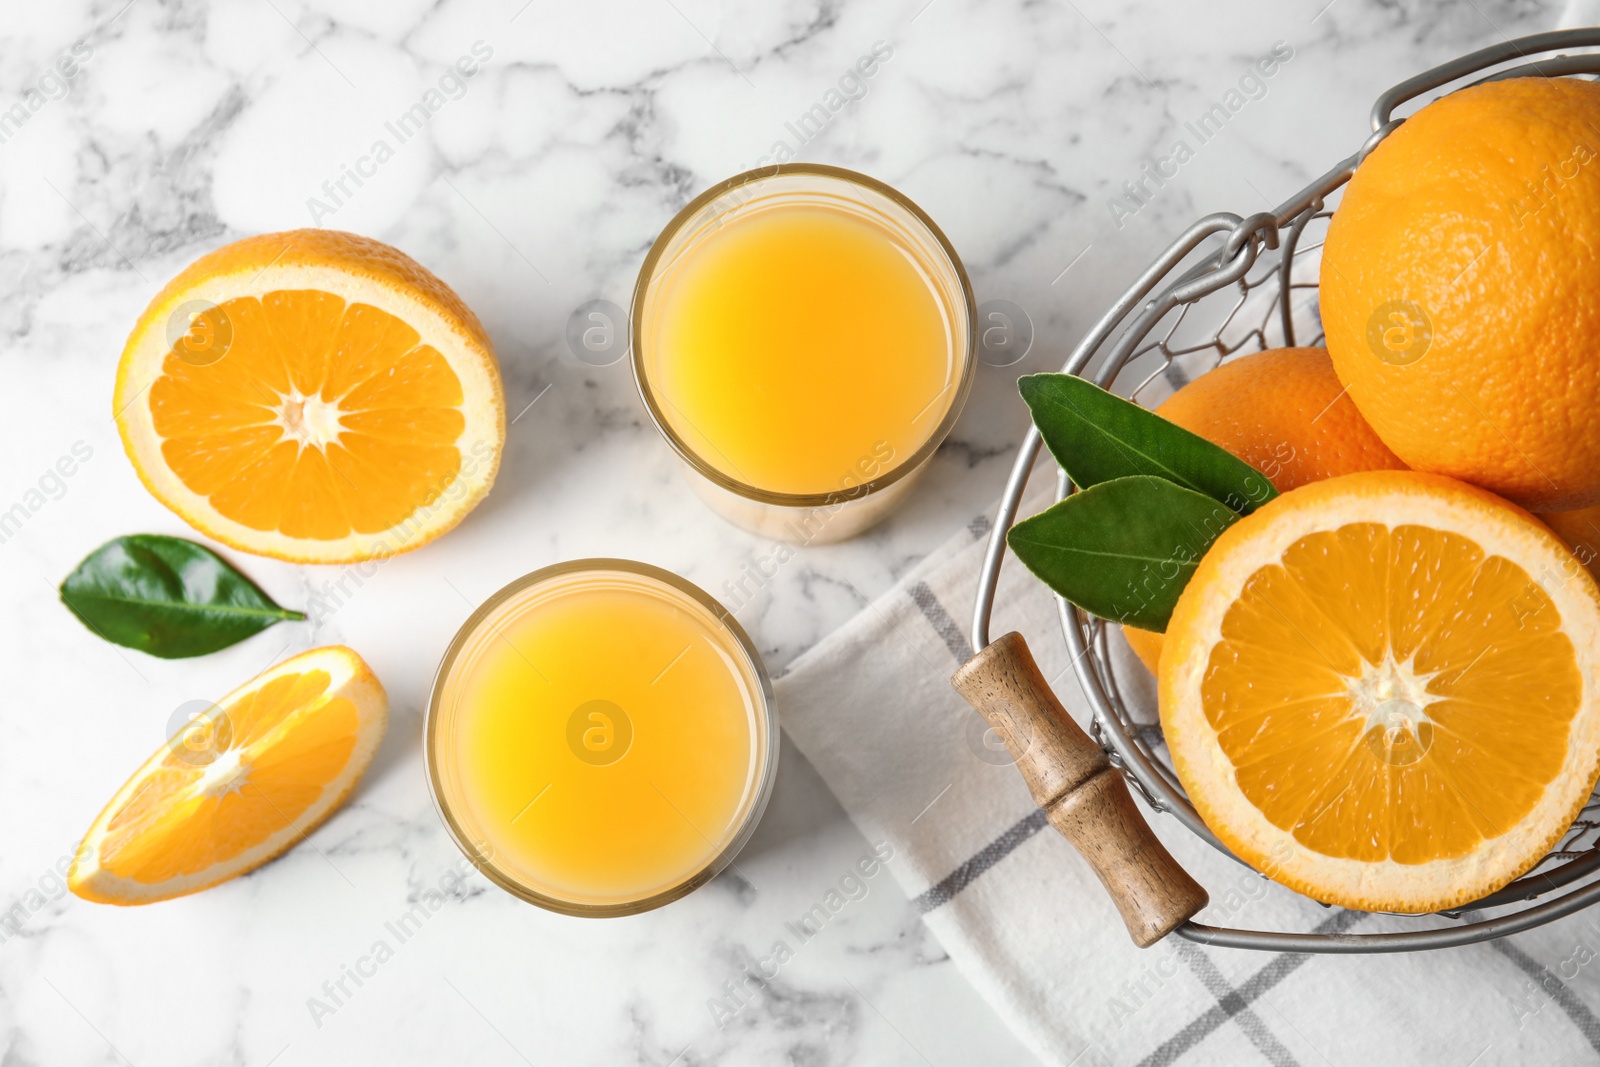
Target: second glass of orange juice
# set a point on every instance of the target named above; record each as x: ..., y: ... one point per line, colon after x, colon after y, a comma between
x: 803, y: 337
x: 601, y: 737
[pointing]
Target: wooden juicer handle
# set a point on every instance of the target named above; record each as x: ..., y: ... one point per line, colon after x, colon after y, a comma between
x: 1082, y: 794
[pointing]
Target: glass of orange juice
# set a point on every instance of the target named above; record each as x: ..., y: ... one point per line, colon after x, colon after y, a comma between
x: 601, y: 737
x: 803, y: 336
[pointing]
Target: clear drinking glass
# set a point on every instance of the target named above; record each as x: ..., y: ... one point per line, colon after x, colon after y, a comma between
x: 807, y: 518
x: 488, y: 838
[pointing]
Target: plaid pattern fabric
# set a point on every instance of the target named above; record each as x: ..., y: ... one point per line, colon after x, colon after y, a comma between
x: 1022, y: 915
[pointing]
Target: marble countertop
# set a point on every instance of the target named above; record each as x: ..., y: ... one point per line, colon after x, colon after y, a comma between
x: 1042, y: 137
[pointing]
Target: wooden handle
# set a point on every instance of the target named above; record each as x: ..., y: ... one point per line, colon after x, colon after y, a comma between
x: 1083, y: 796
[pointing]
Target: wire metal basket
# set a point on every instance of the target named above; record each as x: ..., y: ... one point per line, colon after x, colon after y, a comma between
x: 1229, y: 285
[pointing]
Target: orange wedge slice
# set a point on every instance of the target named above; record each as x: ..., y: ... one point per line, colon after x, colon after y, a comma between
x: 239, y: 784
x: 314, y: 396
x: 1379, y: 690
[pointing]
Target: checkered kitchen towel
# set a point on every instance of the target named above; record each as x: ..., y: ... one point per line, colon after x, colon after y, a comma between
x: 1031, y: 927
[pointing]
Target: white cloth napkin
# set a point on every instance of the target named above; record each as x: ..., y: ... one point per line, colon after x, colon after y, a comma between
x: 1023, y: 916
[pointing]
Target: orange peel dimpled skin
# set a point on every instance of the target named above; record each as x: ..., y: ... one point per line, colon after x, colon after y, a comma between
x: 1460, y: 290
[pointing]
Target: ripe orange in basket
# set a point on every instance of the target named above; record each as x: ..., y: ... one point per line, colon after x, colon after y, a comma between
x: 313, y: 396
x: 239, y: 784
x: 1379, y: 690
x: 1283, y: 412
x: 1461, y: 290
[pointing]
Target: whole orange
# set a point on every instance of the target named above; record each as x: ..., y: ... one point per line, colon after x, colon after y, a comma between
x: 1283, y: 412
x: 1461, y: 290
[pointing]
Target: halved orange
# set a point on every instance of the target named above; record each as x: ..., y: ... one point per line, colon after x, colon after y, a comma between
x: 314, y: 396
x: 1379, y: 690
x: 238, y: 784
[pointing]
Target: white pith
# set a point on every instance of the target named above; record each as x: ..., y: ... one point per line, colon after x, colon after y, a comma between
x: 1394, y: 698
x: 228, y: 773
x: 309, y: 421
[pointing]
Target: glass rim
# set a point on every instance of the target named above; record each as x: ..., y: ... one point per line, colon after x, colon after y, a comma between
x: 963, y: 384
x: 766, y: 721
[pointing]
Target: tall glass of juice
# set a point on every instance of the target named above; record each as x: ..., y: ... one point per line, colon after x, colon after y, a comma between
x: 601, y: 737
x: 803, y: 337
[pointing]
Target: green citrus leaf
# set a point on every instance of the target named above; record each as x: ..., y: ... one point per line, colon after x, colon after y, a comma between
x: 1122, y: 549
x: 1096, y: 437
x: 166, y: 596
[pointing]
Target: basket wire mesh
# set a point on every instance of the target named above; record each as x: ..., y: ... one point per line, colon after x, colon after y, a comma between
x: 1231, y: 285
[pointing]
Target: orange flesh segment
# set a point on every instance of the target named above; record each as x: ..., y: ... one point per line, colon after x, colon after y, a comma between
x: 287, y: 740
x: 1370, y: 720
x: 321, y: 418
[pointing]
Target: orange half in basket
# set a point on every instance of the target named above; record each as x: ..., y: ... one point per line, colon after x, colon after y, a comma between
x: 1380, y: 690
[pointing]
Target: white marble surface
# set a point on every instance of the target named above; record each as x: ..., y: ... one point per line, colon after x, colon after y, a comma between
x: 187, y: 125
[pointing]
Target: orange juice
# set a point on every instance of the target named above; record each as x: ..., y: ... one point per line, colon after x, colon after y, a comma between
x: 799, y: 343
x: 601, y: 737
x: 803, y: 338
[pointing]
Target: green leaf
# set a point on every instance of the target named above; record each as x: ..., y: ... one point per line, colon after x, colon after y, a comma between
x: 166, y: 596
x: 1096, y: 437
x: 1122, y: 549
